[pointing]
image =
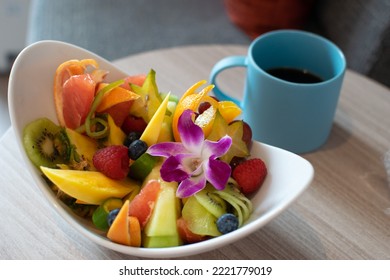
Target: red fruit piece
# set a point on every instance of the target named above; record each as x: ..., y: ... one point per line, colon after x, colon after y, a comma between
x: 77, y: 97
x: 143, y: 203
x: 119, y: 112
x: 136, y: 79
x: 133, y: 124
x: 112, y: 161
x: 250, y: 175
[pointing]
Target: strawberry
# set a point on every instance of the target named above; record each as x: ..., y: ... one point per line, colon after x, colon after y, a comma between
x: 112, y: 161
x: 250, y: 175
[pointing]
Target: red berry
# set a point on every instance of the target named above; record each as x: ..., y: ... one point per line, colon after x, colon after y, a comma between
x: 112, y: 161
x: 133, y: 124
x: 250, y: 175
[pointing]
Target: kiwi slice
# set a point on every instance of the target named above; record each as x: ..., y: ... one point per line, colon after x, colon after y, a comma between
x: 199, y: 220
x: 241, y: 205
x: 237, y: 205
x: 212, y: 202
x: 234, y: 191
x: 45, y: 144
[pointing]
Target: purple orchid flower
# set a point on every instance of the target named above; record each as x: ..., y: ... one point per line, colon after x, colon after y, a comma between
x: 194, y: 161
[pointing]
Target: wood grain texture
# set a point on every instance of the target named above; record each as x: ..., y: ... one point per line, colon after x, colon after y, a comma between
x: 342, y: 215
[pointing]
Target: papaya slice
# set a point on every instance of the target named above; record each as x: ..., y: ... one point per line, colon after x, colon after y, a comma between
x: 134, y: 231
x: 119, y: 230
x: 125, y: 229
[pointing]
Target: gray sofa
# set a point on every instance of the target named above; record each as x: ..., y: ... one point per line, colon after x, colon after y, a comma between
x: 118, y: 28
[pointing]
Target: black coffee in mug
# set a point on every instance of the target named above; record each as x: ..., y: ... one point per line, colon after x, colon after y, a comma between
x: 294, y: 75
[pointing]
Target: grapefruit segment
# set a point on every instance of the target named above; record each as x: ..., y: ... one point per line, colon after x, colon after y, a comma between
x: 77, y: 96
x: 185, y: 234
x: 143, y: 203
x: 63, y: 73
x: 135, y: 80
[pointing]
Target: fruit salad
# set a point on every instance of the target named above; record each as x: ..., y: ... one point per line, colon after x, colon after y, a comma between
x: 147, y: 168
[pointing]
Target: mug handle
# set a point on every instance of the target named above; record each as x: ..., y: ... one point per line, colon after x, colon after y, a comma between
x: 223, y: 64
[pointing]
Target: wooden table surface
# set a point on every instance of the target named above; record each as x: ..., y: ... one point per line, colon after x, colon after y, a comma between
x: 344, y: 214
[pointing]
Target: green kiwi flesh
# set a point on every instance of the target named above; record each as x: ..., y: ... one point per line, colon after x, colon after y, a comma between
x: 45, y: 144
x: 199, y: 220
x: 212, y: 202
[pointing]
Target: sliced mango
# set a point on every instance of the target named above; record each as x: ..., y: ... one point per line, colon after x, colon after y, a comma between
x: 91, y: 187
x: 85, y: 146
x: 115, y: 135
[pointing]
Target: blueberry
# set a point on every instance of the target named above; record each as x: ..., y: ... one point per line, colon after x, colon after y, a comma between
x: 137, y: 148
x: 111, y: 216
x: 227, y: 223
x: 131, y: 137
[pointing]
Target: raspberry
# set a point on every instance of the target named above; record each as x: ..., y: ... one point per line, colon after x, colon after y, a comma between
x: 112, y: 161
x: 250, y: 175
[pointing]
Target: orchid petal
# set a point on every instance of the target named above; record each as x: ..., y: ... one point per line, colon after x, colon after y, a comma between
x: 167, y: 149
x: 173, y: 170
x: 217, y: 173
x: 191, y: 186
x: 216, y: 149
x: 191, y: 135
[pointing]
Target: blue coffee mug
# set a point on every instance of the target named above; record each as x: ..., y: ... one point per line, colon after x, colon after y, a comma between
x: 288, y: 114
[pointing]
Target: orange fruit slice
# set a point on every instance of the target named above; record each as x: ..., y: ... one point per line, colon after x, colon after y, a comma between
x: 191, y: 100
x: 206, y: 120
x: 117, y: 103
x: 229, y: 110
x: 114, y: 97
x: 71, y: 106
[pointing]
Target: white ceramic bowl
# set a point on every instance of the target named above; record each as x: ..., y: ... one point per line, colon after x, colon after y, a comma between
x: 31, y: 97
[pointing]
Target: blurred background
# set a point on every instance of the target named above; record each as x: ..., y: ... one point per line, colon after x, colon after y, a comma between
x: 117, y: 28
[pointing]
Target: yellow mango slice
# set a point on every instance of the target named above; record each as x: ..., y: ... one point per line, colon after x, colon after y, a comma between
x: 116, y: 136
x: 91, y: 187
